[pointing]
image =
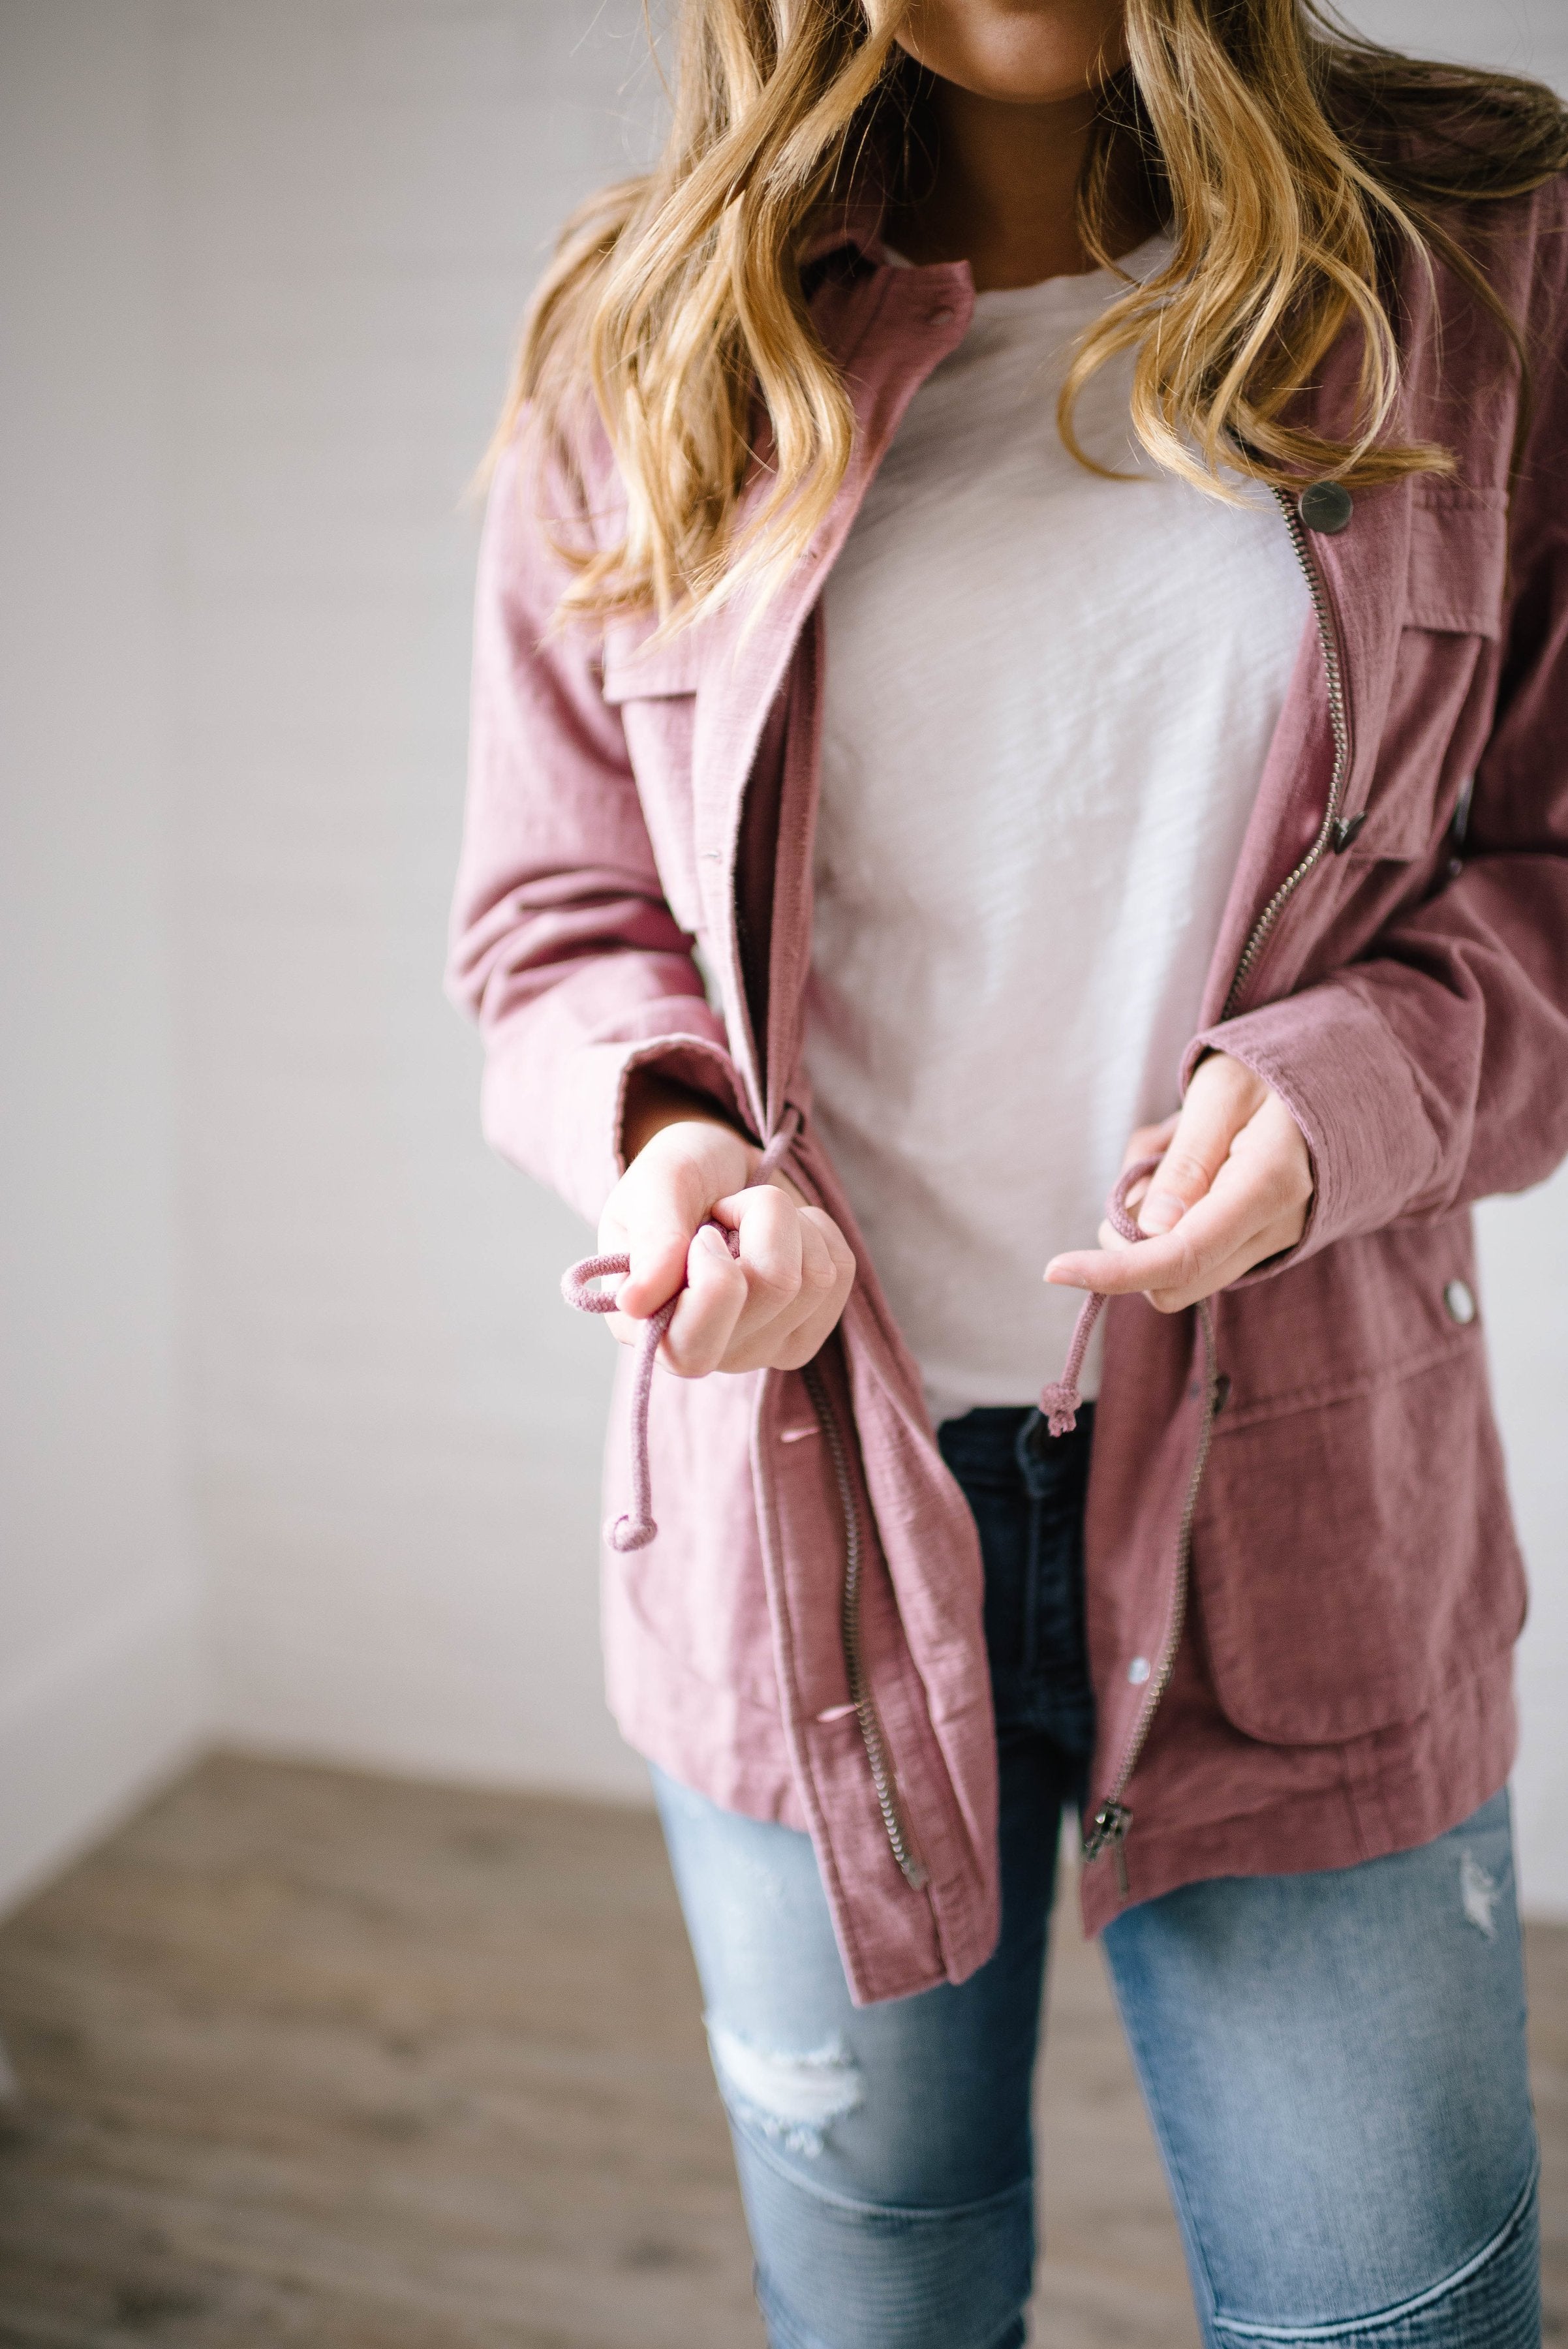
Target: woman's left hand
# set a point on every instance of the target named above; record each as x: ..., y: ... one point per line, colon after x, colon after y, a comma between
x: 1232, y: 1188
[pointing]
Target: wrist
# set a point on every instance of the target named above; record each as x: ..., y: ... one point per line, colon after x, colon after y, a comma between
x: 653, y: 1104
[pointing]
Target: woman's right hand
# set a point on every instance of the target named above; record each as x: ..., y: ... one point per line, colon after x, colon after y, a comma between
x: 771, y: 1308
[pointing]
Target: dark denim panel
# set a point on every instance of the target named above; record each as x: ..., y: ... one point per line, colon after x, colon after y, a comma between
x: 1026, y: 1488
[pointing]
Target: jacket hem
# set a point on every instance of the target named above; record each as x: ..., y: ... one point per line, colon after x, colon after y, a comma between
x: 717, y: 1764
x: 1398, y: 1790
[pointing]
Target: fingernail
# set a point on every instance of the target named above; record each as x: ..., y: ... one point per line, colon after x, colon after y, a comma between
x: 713, y: 1243
x: 1160, y: 1212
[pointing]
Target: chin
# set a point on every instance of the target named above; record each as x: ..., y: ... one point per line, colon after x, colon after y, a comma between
x: 1020, y: 55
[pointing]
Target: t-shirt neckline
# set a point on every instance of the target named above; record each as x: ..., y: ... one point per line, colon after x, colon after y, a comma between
x: 1066, y: 291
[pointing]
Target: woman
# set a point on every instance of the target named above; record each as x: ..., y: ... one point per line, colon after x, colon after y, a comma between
x: 1021, y: 631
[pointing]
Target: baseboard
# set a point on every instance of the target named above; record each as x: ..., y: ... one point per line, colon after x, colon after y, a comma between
x: 87, y: 1736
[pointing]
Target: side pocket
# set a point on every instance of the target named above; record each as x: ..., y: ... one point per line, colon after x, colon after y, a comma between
x: 1352, y: 1557
x: 1353, y: 1549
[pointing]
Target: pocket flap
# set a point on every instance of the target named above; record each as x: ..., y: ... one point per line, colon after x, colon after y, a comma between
x: 637, y: 668
x: 1458, y: 559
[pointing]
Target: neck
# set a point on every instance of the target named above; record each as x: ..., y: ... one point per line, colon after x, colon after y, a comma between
x: 1002, y: 194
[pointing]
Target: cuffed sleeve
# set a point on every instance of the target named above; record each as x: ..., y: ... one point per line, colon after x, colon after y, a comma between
x: 563, y: 947
x: 1342, y: 1075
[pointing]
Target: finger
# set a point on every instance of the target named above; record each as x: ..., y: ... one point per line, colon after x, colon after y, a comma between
x: 840, y: 1254
x: 1214, y: 1229
x: 661, y: 1203
x: 709, y: 1305
x: 1108, y: 1237
x: 612, y: 1242
x: 1122, y: 1270
x: 826, y: 1272
x: 1255, y: 1206
x: 768, y: 1227
x: 658, y: 1222
x: 1272, y: 1145
x: 799, y: 1332
x: 758, y: 1342
x: 818, y: 1272
x: 807, y: 1340
x: 1149, y: 1140
x: 1258, y: 1250
x: 1222, y: 1096
x: 1256, y: 1209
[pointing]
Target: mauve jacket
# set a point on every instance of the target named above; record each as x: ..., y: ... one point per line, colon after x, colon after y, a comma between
x: 1303, y: 1589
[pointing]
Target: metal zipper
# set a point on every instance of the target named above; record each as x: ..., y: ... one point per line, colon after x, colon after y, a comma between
x: 1107, y: 1829
x: 849, y: 1617
x: 1339, y: 718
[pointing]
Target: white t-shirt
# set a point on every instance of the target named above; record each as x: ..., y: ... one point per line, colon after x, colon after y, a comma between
x: 1049, y: 698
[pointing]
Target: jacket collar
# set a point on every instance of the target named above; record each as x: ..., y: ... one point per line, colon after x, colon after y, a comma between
x: 850, y: 225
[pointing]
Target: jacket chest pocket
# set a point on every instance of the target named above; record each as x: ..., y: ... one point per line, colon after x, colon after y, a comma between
x: 655, y: 689
x: 1445, y: 668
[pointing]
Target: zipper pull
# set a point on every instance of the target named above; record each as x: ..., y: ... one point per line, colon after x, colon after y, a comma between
x: 1108, y: 1831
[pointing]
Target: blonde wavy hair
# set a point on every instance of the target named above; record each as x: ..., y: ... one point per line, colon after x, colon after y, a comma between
x: 1289, y: 158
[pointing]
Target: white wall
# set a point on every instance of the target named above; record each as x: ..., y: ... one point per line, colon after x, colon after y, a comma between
x: 101, y: 1679
x: 392, y: 1426
x: 397, y: 1421
x: 1529, y: 36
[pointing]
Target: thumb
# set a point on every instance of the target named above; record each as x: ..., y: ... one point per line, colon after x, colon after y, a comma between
x: 657, y: 1219
x: 1220, y: 1099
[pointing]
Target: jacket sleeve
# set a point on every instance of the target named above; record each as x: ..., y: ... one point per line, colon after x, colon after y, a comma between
x: 1434, y: 1070
x: 561, y: 945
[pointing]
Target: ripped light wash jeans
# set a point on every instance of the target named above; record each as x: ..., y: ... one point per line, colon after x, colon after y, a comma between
x: 1334, y: 2063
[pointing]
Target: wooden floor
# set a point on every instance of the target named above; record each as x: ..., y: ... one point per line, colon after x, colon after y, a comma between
x: 318, y: 2059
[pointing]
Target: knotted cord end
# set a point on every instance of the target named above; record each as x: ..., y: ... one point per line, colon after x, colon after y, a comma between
x: 1059, y: 1403
x: 624, y: 1534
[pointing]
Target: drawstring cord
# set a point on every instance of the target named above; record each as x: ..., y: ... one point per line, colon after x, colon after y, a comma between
x: 1059, y: 1401
x: 637, y: 1528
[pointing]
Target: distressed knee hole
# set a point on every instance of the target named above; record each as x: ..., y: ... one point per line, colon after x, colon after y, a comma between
x: 1479, y: 1894
x: 793, y: 2099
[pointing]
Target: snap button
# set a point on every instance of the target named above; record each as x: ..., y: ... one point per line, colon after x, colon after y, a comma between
x: 1345, y: 828
x: 1460, y: 1303
x: 1138, y: 1670
x: 1325, y: 506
